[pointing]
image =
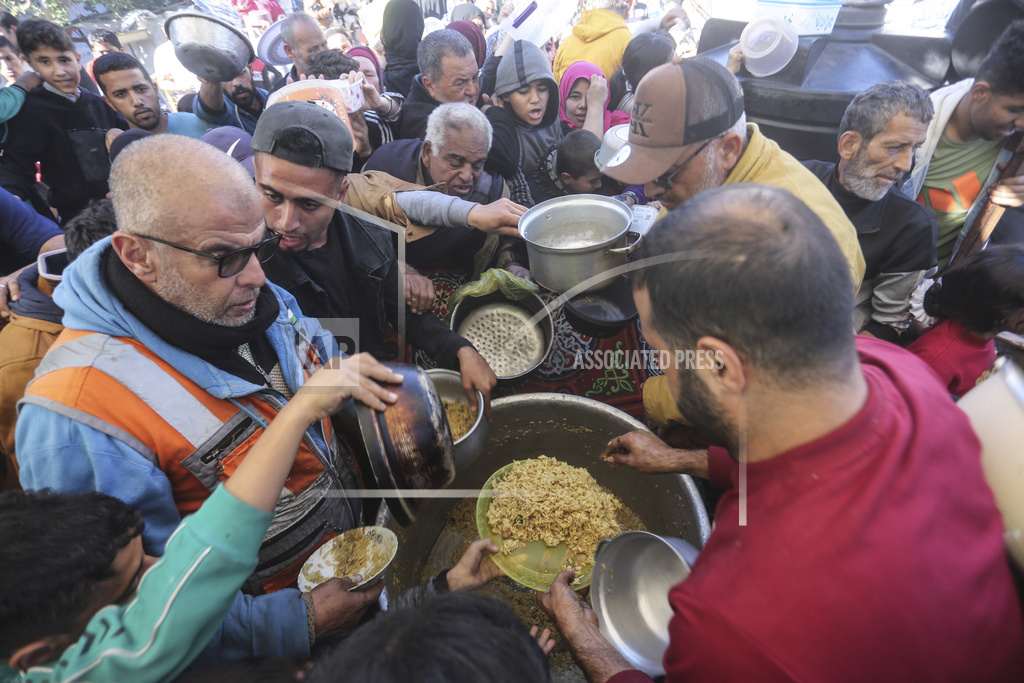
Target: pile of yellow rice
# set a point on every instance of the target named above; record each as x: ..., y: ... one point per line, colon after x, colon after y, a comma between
x: 548, y: 500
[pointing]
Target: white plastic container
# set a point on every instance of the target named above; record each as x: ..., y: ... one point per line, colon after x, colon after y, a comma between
x: 768, y: 45
x: 808, y: 17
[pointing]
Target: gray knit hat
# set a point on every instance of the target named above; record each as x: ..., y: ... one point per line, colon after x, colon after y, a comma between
x: 523, y: 64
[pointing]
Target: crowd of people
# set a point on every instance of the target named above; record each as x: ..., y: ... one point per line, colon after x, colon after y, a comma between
x: 168, y: 458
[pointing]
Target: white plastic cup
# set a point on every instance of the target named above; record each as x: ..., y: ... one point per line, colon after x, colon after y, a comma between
x: 352, y: 94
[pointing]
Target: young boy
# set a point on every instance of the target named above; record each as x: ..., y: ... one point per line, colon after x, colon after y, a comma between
x: 19, y: 81
x: 79, y: 598
x: 61, y: 126
x: 568, y: 168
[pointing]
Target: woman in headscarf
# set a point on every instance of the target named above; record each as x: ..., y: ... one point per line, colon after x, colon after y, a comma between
x: 469, y: 12
x: 474, y: 35
x: 400, y: 33
x: 583, y: 99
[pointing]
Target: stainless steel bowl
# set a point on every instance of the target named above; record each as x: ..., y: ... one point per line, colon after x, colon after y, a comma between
x: 574, y: 429
x: 208, y: 47
x: 633, y: 574
x: 514, y: 337
x: 449, y: 387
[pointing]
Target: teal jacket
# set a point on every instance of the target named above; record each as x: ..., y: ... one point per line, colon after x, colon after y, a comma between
x: 181, y: 602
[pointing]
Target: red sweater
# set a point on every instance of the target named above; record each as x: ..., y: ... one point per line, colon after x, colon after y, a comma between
x: 873, y: 553
x: 957, y: 356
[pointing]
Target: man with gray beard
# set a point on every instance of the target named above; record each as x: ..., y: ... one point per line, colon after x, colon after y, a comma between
x: 880, y: 132
x: 177, y: 354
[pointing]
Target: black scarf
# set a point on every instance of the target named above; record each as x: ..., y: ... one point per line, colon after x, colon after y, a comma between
x: 215, y: 344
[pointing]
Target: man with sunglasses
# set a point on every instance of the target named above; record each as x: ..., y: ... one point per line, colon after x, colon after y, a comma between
x: 688, y: 133
x: 177, y: 355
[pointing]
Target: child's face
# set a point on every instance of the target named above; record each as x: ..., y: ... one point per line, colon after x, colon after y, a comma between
x: 59, y: 69
x: 530, y: 103
x: 100, y: 48
x: 585, y: 184
x: 576, y: 102
x: 11, y: 65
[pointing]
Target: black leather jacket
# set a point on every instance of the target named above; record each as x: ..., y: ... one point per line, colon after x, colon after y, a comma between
x: 371, y: 258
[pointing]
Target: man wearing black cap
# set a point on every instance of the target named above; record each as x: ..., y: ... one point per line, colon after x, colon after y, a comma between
x: 337, y: 266
x: 688, y: 133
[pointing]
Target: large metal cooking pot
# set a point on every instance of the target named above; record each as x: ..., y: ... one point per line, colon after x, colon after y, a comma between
x: 580, y: 241
x: 574, y: 430
x: 208, y: 47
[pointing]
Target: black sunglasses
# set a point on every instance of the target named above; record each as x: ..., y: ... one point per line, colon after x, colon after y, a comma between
x: 664, y: 181
x: 233, y: 262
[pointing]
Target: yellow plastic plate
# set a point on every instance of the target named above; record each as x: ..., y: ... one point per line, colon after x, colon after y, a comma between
x: 533, y: 565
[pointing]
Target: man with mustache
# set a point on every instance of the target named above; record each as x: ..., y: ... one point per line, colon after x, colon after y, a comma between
x: 177, y: 354
x: 129, y: 90
x: 880, y: 132
x: 232, y: 103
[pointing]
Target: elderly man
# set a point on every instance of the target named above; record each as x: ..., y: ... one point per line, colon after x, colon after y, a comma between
x: 827, y: 564
x: 968, y: 142
x: 688, y: 133
x: 879, y: 134
x: 302, y: 37
x: 338, y: 266
x: 448, y: 73
x: 452, y: 156
x: 176, y: 356
x: 129, y: 91
x: 232, y: 103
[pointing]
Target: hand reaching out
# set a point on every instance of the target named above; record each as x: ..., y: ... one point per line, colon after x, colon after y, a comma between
x: 475, y: 567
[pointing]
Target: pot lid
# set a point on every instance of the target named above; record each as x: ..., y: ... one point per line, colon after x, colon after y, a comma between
x: 270, y: 49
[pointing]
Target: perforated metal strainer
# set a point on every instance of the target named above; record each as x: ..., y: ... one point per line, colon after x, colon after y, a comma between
x: 512, y: 336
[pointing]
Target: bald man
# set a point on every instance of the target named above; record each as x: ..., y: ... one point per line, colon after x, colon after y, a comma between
x: 177, y: 355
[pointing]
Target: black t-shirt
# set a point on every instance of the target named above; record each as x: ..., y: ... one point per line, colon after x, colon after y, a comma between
x: 324, y: 266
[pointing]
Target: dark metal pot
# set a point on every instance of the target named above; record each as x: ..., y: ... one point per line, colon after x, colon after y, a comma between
x: 604, y: 313
x: 406, y: 448
x: 580, y: 241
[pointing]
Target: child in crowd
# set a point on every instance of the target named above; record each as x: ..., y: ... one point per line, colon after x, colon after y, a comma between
x: 583, y: 98
x: 19, y: 82
x: 974, y: 301
x: 101, y: 42
x: 525, y: 121
x: 568, y: 168
x: 61, y: 126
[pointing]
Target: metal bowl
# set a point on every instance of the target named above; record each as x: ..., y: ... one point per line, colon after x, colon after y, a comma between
x: 448, y: 384
x: 514, y: 337
x: 633, y: 574
x: 208, y: 47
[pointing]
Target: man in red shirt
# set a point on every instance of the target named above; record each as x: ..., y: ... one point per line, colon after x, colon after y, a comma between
x: 862, y: 542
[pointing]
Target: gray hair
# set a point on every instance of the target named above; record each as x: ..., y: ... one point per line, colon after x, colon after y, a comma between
x: 456, y: 116
x: 289, y: 22
x: 435, y: 47
x: 872, y: 109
